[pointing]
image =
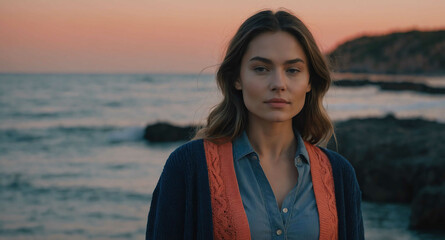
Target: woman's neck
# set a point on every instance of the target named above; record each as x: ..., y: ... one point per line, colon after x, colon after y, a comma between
x: 272, y: 140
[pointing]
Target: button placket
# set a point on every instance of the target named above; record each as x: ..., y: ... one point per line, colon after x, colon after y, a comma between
x: 275, y: 217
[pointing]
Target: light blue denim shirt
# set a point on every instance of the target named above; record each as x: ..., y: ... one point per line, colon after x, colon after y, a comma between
x: 298, y: 216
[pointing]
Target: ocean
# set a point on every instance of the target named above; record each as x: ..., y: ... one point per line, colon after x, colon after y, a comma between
x: 73, y: 164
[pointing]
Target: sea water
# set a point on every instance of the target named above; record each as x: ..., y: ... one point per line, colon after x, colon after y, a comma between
x: 73, y: 164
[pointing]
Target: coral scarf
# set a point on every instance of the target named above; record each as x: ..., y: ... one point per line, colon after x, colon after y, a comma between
x: 228, y: 215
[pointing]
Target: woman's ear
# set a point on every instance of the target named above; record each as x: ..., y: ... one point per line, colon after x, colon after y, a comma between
x: 308, y: 88
x: 309, y: 85
x: 238, y: 84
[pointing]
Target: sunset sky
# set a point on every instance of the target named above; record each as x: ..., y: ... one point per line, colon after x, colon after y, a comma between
x: 155, y: 36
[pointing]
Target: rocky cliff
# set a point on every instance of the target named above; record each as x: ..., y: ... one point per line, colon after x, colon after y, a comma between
x: 414, y: 52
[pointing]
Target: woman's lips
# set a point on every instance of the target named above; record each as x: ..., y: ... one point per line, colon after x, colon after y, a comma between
x: 277, y: 102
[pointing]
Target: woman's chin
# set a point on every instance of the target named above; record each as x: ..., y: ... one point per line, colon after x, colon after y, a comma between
x: 273, y: 119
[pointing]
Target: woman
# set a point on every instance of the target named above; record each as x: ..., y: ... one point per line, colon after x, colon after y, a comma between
x: 254, y: 172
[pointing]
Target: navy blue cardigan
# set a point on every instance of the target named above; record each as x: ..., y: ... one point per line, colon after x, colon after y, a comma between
x: 181, y: 206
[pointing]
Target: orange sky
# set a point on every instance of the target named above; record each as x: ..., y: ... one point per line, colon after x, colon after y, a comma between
x: 151, y: 36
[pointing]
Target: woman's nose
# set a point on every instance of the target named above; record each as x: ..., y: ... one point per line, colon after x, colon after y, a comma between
x: 278, y: 81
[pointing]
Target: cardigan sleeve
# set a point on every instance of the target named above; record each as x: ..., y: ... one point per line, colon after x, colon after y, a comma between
x: 352, y: 204
x: 359, y: 220
x: 353, y: 200
x: 355, y: 213
x: 181, y: 205
x: 167, y: 211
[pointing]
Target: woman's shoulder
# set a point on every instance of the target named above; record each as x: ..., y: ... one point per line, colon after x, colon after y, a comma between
x: 190, y: 147
x: 186, y: 153
x: 338, y: 161
x: 342, y: 169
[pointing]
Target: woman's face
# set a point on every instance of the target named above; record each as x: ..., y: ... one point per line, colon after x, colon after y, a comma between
x: 274, y: 77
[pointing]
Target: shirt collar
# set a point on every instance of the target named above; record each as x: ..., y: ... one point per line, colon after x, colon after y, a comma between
x: 242, y: 147
x: 301, y: 148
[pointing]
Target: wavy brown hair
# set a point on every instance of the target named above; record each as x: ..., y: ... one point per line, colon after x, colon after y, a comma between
x: 229, y: 118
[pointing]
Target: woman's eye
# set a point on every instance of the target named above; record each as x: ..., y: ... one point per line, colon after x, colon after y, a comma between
x: 260, y: 69
x: 293, y: 70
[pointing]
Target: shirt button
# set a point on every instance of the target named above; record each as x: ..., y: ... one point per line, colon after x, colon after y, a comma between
x: 279, y: 232
x: 299, y: 161
x: 285, y: 210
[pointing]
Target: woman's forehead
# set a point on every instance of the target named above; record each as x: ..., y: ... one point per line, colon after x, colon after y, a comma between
x: 275, y: 46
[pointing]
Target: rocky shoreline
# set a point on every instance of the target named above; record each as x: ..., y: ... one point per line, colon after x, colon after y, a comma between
x: 396, y: 160
x: 390, y: 86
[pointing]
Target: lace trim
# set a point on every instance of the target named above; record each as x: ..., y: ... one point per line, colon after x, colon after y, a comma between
x: 223, y: 229
x: 324, y: 189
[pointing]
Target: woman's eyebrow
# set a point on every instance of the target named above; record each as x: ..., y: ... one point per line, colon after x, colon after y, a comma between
x: 268, y: 61
x: 296, y: 60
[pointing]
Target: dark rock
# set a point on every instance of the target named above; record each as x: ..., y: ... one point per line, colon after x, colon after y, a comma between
x: 417, y: 87
x: 428, y: 208
x: 391, y: 86
x: 393, y: 158
x: 352, y: 83
x: 165, y: 132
